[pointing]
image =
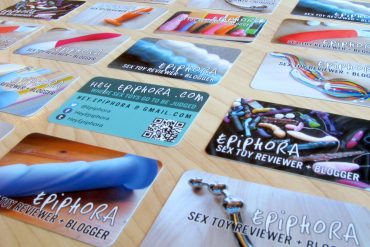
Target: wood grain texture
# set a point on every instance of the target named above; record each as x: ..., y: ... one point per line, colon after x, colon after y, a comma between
x: 189, y: 154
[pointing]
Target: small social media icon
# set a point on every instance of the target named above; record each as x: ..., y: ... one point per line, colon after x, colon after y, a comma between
x: 67, y: 110
x: 60, y: 116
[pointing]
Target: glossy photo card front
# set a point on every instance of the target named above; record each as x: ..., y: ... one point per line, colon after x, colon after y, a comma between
x: 24, y: 90
x: 213, y: 26
x: 328, y: 36
x: 84, y: 192
x: 118, y: 15
x: 73, y: 46
x: 12, y: 32
x: 352, y: 11
x: 314, y: 77
x: 258, y: 6
x: 178, y: 59
x: 300, y: 141
x: 45, y: 10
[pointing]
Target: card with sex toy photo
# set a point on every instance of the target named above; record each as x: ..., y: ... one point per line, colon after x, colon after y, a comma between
x: 24, y: 90
x: 41, y: 9
x: 84, y: 192
x: 118, y: 15
x: 343, y: 10
x: 235, y: 213
x: 12, y: 32
x: 301, y: 141
x: 259, y: 6
x: 318, y: 78
x: 143, y: 112
x: 213, y: 26
x: 327, y: 35
x: 178, y: 59
x: 73, y: 46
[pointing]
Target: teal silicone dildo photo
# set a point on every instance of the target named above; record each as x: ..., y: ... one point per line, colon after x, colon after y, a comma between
x: 131, y: 171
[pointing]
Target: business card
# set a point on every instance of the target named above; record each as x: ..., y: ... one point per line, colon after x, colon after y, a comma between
x: 301, y: 141
x: 177, y: 59
x: 24, y: 90
x: 12, y: 32
x: 318, y: 78
x: 334, y: 9
x: 46, y: 10
x: 328, y: 36
x: 213, y: 26
x: 259, y: 6
x: 143, y: 112
x: 118, y: 15
x: 84, y: 192
x: 5, y: 129
x: 231, y: 212
x: 73, y: 46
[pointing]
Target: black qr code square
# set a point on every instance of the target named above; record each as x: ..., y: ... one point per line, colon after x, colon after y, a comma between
x: 164, y: 130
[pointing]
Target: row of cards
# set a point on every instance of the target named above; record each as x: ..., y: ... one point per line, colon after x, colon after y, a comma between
x: 89, y: 193
x: 196, y: 24
x: 329, y: 9
x: 24, y: 89
x: 303, y: 141
x: 312, y: 34
x: 205, y: 63
x: 218, y: 26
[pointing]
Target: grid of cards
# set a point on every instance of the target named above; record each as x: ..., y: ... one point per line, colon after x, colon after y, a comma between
x: 90, y: 192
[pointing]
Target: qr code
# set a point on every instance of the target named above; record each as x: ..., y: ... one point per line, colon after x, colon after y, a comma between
x: 164, y: 130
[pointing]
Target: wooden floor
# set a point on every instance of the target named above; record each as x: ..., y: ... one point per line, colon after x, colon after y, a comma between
x: 189, y: 154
